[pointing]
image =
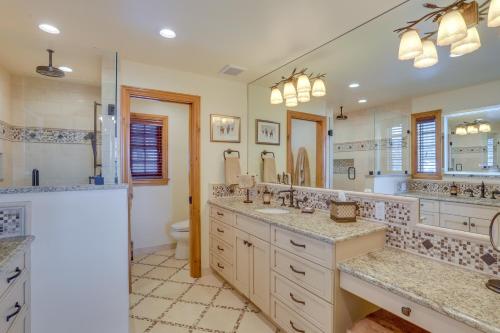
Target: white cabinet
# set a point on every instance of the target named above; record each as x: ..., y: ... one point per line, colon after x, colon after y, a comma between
x: 429, y: 218
x: 242, y: 263
x: 454, y: 222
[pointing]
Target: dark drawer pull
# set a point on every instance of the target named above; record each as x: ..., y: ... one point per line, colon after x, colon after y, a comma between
x: 220, y: 230
x: 13, y: 277
x: 18, y: 308
x: 406, y: 311
x: 296, y: 271
x: 297, y: 300
x: 297, y: 244
x: 295, y: 328
x: 220, y: 214
x: 220, y: 266
x: 464, y: 223
x: 220, y: 248
x: 472, y: 224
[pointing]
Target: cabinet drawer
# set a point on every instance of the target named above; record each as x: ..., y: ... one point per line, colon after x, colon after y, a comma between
x: 221, y: 249
x: 12, y: 271
x: 222, y: 215
x: 480, y: 226
x: 253, y: 227
x: 306, y: 247
x: 476, y: 211
x: 311, y: 307
x: 454, y: 222
x: 13, y: 302
x: 224, y: 268
x: 429, y: 218
x: 289, y: 320
x: 429, y: 205
x: 309, y: 275
x: 223, y: 231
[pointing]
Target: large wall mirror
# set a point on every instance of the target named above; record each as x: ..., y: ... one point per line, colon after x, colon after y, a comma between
x: 358, y: 136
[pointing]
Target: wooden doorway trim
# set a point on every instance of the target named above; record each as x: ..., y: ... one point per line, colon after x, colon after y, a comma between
x: 193, y: 102
x: 320, y: 143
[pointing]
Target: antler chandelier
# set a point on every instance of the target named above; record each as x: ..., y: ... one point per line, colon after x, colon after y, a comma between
x: 456, y: 28
x: 297, y: 88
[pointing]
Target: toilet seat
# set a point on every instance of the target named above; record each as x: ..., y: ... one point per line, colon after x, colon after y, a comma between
x: 182, y: 226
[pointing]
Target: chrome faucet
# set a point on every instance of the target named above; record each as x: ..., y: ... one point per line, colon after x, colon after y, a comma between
x: 291, y: 190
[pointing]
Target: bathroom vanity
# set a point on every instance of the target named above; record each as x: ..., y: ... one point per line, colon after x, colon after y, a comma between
x: 285, y: 262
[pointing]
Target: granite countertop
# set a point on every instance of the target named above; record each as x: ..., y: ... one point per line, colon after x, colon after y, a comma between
x: 60, y: 188
x: 10, y: 246
x: 450, y: 198
x: 453, y: 291
x: 317, y: 225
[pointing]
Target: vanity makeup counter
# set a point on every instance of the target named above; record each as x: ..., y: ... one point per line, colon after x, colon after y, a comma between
x: 444, y: 289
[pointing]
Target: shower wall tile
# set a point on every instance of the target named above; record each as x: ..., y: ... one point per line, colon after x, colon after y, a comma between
x: 365, y: 145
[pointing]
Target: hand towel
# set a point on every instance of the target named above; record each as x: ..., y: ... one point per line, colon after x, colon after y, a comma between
x: 302, y: 174
x: 232, y: 170
x: 269, y: 169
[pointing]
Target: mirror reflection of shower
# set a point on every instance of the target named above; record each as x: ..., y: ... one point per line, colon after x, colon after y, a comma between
x: 94, y: 142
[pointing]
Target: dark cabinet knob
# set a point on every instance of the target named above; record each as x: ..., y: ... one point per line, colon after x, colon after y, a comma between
x: 406, y: 311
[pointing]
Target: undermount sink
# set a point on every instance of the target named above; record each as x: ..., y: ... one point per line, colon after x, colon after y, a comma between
x: 272, y: 211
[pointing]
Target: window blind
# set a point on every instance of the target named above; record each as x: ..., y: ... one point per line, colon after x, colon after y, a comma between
x: 396, y: 152
x: 426, y: 146
x: 146, y: 149
x: 490, y: 152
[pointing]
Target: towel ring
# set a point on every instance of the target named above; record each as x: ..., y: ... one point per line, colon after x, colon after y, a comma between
x: 230, y: 151
x: 265, y: 152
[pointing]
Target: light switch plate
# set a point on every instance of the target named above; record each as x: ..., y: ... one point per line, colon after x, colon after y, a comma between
x: 380, y: 210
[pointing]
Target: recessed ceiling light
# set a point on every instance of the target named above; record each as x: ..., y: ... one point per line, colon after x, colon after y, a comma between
x: 354, y: 85
x: 362, y: 101
x: 167, y: 33
x: 49, y: 28
x: 66, y: 69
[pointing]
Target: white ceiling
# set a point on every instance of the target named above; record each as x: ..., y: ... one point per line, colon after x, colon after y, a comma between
x: 258, y: 35
x: 369, y: 56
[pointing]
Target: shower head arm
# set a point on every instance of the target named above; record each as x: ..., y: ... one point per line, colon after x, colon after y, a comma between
x: 50, y: 56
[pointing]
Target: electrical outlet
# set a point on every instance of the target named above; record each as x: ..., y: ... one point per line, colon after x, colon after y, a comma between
x: 380, y: 210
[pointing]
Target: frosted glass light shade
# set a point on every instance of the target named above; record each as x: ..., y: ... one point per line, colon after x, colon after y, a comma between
x: 452, y: 28
x: 484, y: 128
x: 289, y: 90
x: 304, y: 97
x: 472, y: 129
x: 410, y: 45
x: 318, y: 89
x: 291, y: 102
x: 467, y: 45
x: 276, y: 97
x: 460, y: 130
x: 429, y: 57
x: 303, y: 84
x: 494, y: 14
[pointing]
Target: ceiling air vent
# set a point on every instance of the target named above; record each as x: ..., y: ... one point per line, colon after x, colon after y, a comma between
x: 232, y: 70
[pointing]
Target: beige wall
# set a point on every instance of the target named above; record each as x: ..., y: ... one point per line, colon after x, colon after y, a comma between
x: 5, y: 115
x: 218, y: 96
x: 155, y: 208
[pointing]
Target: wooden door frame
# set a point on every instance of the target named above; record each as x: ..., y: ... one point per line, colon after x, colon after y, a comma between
x: 193, y: 102
x: 321, y: 131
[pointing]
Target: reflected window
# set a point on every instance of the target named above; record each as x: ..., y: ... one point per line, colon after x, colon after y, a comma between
x: 396, y: 152
x: 426, y: 142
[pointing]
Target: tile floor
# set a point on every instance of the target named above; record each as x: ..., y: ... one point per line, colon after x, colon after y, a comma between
x: 165, y: 299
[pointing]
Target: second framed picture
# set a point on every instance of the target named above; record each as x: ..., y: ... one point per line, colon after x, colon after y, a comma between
x: 267, y: 132
x: 225, y: 128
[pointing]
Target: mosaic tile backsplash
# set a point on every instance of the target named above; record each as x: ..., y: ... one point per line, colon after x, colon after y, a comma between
x: 398, y: 214
x: 443, y: 186
x: 12, y: 220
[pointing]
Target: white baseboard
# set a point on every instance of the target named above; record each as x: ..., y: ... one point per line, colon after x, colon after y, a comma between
x: 146, y: 250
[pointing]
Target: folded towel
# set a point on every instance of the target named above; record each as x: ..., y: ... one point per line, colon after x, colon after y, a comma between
x: 232, y: 170
x: 302, y: 174
x: 246, y: 181
x: 269, y: 170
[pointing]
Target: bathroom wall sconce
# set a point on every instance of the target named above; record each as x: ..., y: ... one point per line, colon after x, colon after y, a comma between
x: 297, y: 88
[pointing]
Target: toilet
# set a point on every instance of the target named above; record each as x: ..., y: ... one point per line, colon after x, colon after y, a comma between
x: 180, y: 232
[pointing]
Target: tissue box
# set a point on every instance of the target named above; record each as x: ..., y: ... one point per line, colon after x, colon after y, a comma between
x: 343, y: 211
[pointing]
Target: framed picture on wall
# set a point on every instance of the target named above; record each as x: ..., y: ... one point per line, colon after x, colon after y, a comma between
x: 267, y: 132
x: 225, y: 128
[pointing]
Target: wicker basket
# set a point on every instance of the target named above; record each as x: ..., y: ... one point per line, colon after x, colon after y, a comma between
x: 343, y: 211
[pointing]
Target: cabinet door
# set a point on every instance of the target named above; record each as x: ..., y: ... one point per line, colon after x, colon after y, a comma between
x: 429, y: 218
x: 241, y: 262
x: 454, y: 222
x: 260, y: 273
x: 480, y: 226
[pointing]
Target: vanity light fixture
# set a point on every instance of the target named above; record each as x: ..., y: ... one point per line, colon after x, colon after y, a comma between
x: 484, y: 128
x: 460, y: 130
x: 168, y: 33
x: 66, y: 69
x: 361, y: 101
x: 457, y: 27
x: 354, y: 85
x: 472, y: 129
x: 49, y: 28
x: 475, y: 127
x: 297, y: 88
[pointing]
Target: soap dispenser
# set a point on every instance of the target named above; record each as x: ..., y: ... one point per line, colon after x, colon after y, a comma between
x: 453, y: 189
x: 266, y: 196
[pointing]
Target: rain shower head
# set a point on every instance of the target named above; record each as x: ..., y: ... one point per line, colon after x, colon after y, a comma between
x: 341, y: 116
x: 50, y: 70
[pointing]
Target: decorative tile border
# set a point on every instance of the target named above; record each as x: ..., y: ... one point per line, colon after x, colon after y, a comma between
x: 366, y: 145
x: 12, y: 220
x: 398, y: 216
x: 340, y: 166
x: 45, y: 135
x: 469, y: 150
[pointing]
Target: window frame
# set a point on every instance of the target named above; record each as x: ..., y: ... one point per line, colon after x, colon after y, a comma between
x: 151, y: 118
x: 415, y: 119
